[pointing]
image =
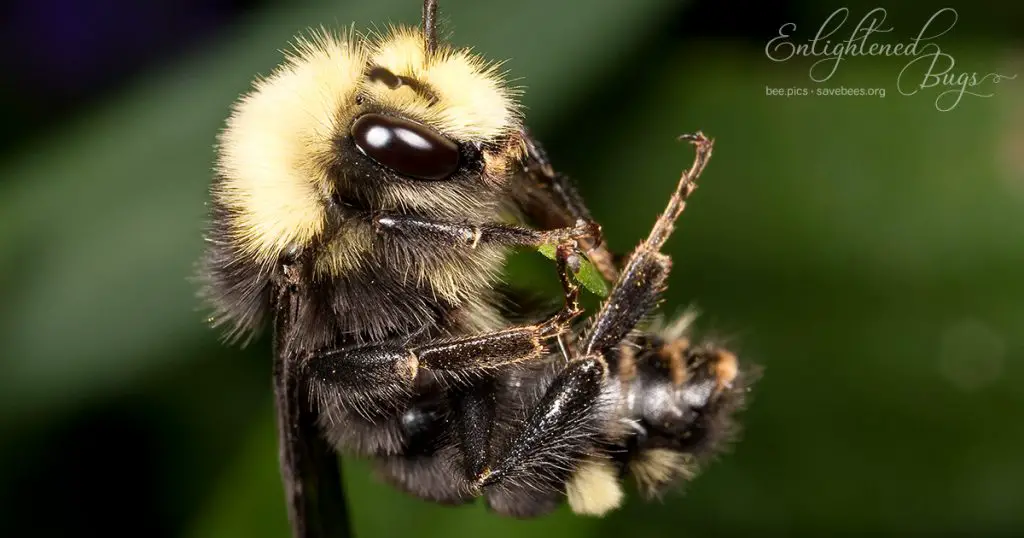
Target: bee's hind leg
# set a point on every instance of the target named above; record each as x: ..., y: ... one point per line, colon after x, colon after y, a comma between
x: 553, y: 447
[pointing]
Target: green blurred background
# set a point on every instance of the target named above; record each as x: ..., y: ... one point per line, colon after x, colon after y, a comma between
x: 868, y: 252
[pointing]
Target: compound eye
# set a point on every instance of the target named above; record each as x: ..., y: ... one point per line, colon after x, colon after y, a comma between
x: 407, y: 147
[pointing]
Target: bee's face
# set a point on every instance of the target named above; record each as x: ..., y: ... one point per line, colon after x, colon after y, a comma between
x: 374, y: 124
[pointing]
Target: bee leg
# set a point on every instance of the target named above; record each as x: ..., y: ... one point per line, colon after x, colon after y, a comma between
x: 473, y: 235
x: 481, y: 353
x: 477, y: 354
x: 554, y: 445
x: 310, y: 471
x: 632, y: 298
x: 475, y: 409
x: 377, y: 380
x: 643, y: 278
x: 551, y: 200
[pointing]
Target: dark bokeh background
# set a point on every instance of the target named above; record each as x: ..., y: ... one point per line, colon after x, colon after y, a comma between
x: 867, y: 252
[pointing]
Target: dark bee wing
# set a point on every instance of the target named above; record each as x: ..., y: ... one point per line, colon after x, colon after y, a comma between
x: 548, y: 199
x: 309, y: 466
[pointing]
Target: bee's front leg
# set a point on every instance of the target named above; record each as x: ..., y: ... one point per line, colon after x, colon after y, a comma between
x: 474, y: 235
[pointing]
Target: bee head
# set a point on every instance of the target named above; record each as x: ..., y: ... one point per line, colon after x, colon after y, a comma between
x: 368, y: 123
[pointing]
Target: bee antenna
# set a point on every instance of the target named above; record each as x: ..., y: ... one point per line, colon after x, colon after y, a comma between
x: 430, y: 25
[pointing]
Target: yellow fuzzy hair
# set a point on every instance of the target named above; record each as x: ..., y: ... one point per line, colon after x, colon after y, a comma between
x: 594, y: 489
x: 272, y: 149
x: 658, y: 467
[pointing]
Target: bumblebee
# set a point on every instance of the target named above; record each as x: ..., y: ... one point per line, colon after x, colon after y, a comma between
x: 366, y: 195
